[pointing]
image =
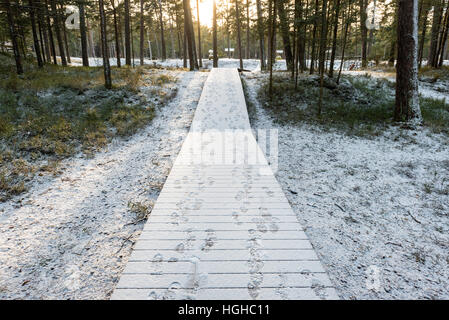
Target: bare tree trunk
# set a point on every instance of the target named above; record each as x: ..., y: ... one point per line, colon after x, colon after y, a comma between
x: 64, y: 33
x: 215, y: 51
x: 20, y: 29
x: 104, y: 47
x: 37, y: 48
x: 443, y: 37
x: 270, y: 28
x: 50, y: 34
x: 83, y: 34
x: 334, y: 39
x: 407, y: 102
x: 127, y: 35
x: 239, y: 40
x: 364, y: 31
x: 184, y: 49
x: 13, y: 35
x: 345, y: 37
x: 57, y: 25
x: 142, y: 35
x: 116, y: 35
x: 424, y: 19
x: 200, y: 56
x: 260, y: 30
x: 43, y: 27
x: 322, y: 53
x: 284, y: 28
x: 272, y: 17
x: 161, y: 22
x: 247, y: 30
x: 41, y: 37
x: 188, y: 25
x: 315, y: 26
x: 132, y: 42
x: 437, y: 13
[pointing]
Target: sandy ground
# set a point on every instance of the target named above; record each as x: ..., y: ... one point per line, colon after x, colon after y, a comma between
x: 70, y: 237
x: 376, y: 210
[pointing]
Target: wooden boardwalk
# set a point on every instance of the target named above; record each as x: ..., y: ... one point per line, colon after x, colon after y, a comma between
x: 222, y: 227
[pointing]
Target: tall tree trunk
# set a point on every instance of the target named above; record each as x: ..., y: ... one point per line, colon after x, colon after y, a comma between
x: 127, y: 35
x: 50, y: 34
x: 260, y: 30
x: 132, y: 42
x: 294, y: 45
x: 42, y: 14
x: 302, y: 38
x: 437, y: 13
x: 345, y: 37
x: 104, y: 47
x: 424, y: 19
x: 334, y: 37
x: 64, y: 33
x: 239, y: 39
x: 172, y: 40
x: 364, y: 31
x: 116, y: 35
x: 188, y: 25
x: 407, y: 102
x: 270, y: 28
x: 20, y: 29
x: 443, y: 37
x: 142, y: 34
x: 43, y: 32
x: 247, y: 31
x: 285, y: 32
x: 184, y: 48
x: 37, y: 48
x: 322, y: 53
x: 200, y: 56
x: 41, y: 38
x: 214, y: 27
x: 83, y: 34
x: 315, y: 26
x: 57, y: 25
x: 13, y: 35
x: 161, y: 22
x: 272, y: 18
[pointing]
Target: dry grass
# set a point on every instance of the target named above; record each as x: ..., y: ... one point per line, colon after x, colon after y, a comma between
x: 51, y: 114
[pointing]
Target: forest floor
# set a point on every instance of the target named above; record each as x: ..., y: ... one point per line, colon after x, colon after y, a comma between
x: 373, y: 197
x: 69, y: 232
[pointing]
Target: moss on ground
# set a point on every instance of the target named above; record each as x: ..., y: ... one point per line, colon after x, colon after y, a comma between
x: 51, y: 114
x: 359, y: 105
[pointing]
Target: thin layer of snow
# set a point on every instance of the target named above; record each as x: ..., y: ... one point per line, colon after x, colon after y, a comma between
x: 437, y: 90
x: 249, y: 64
x: 70, y: 237
x: 376, y: 210
x: 201, y: 211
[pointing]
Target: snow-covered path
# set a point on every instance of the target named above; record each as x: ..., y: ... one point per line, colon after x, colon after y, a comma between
x: 71, y: 236
x: 222, y: 227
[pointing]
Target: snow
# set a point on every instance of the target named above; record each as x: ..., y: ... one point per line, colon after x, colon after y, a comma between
x: 437, y: 90
x: 250, y: 64
x: 70, y: 237
x: 204, y: 199
x: 375, y: 209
